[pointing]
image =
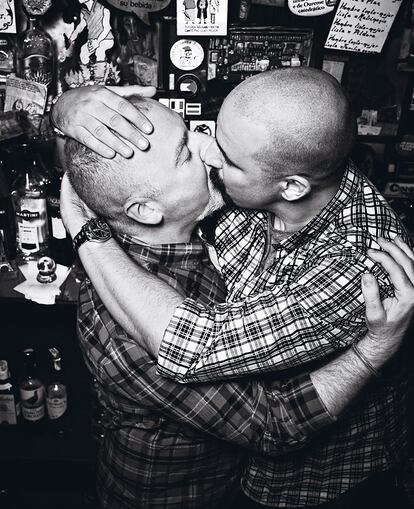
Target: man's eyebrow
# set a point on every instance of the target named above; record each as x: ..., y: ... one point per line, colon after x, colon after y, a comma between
x: 180, y: 146
x: 226, y: 158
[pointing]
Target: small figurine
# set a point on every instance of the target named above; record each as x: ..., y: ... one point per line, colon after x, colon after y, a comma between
x: 47, y: 270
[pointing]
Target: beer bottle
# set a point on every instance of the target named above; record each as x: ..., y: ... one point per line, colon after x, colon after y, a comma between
x: 32, y: 390
x: 56, y: 394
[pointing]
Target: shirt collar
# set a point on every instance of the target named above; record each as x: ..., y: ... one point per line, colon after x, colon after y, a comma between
x: 186, y: 254
x: 349, y: 184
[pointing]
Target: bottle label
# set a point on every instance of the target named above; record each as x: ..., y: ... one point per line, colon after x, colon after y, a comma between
x: 58, y: 230
x: 26, y: 214
x: 56, y: 407
x: 32, y: 223
x: 33, y: 414
x: 38, y: 68
x: 32, y: 401
x: 8, y: 409
x: 28, y: 238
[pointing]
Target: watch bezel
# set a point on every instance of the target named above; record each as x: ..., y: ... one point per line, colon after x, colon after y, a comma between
x: 97, y: 230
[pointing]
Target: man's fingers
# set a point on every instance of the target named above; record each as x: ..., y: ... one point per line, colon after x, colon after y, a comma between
x: 401, y: 253
x: 134, y: 90
x: 405, y: 247
x: 398, y: 276
x: 374, y: 310
x: 90, y: 141
x: 119, y: 125
x: 127, y: 110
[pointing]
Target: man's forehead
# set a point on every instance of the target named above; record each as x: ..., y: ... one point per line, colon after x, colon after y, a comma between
x: 163, y: 114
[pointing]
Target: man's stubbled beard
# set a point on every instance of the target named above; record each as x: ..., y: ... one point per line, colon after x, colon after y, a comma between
x: 218, y: 183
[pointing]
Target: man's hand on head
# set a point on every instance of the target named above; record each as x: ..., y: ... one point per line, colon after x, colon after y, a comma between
x: 96, y: 116
x: 75, y: 213
x: 388, y: 320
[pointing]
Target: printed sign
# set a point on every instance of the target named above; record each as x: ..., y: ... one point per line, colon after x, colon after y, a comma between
x: 362, y: 25
x: 187, y: 54
x: 140, y: 7
x: 203, y: 126
x: 202, y: 17
x: 7, y: 17
x: 311, y: 7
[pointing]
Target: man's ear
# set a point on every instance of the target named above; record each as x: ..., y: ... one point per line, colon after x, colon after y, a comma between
x: 295, y: 187
x: 144, y: 212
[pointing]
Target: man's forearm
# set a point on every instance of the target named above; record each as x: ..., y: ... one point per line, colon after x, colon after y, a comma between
x: 140, y: 302
x: 339, y: 382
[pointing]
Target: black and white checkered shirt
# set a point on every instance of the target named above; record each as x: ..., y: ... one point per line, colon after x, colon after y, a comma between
x: 290, y: 303
x: 162, y: 444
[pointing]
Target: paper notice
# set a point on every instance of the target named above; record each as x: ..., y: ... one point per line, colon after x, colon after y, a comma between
x: 202, y: 17
x: 362, y: 25
x: 25, y: 95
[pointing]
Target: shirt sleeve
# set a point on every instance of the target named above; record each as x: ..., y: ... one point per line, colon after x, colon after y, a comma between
x: 320, y: 311
x: 269, y: 418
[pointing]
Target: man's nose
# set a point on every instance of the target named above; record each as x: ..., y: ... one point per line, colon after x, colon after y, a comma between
x: 212, y: 156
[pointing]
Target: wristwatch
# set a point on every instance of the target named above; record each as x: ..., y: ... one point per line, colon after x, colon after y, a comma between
x: 94, y: 230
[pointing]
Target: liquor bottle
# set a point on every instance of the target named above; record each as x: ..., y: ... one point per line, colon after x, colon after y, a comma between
x: 32, y: 390
x: 29, y: 196
x: 9, y: 396
x: 7, y: 221
x: 35, y: 51
x: 61, y: 249
x: 56, y: 394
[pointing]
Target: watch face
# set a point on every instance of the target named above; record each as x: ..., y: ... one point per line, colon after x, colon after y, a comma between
x: 98, y: 230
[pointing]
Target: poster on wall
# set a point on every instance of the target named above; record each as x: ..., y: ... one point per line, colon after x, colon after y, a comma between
x: 202, y: 17
x: 362, y: 25
x: 7, y: 17
x: 311, y: 7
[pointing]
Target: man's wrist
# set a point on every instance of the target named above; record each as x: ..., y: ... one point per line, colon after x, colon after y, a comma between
x: 375, y: 351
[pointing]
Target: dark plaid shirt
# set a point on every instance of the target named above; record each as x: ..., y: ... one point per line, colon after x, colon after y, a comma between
x: 156, y: 452
x: 293, y: 301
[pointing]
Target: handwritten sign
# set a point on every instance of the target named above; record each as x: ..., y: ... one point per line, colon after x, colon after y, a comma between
x: 140, y: 7
x: 362, y: 25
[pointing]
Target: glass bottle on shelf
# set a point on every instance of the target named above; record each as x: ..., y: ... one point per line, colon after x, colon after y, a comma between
x: 35, y: 53
x: 56, y: 394
x: 61, y: 249
x: 9, y: 397
x: 29, y: 196
x: 7, y: 221
x: 32, y: 390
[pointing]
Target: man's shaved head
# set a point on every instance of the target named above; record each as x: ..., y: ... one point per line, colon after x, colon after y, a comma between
x: 297, y: 121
